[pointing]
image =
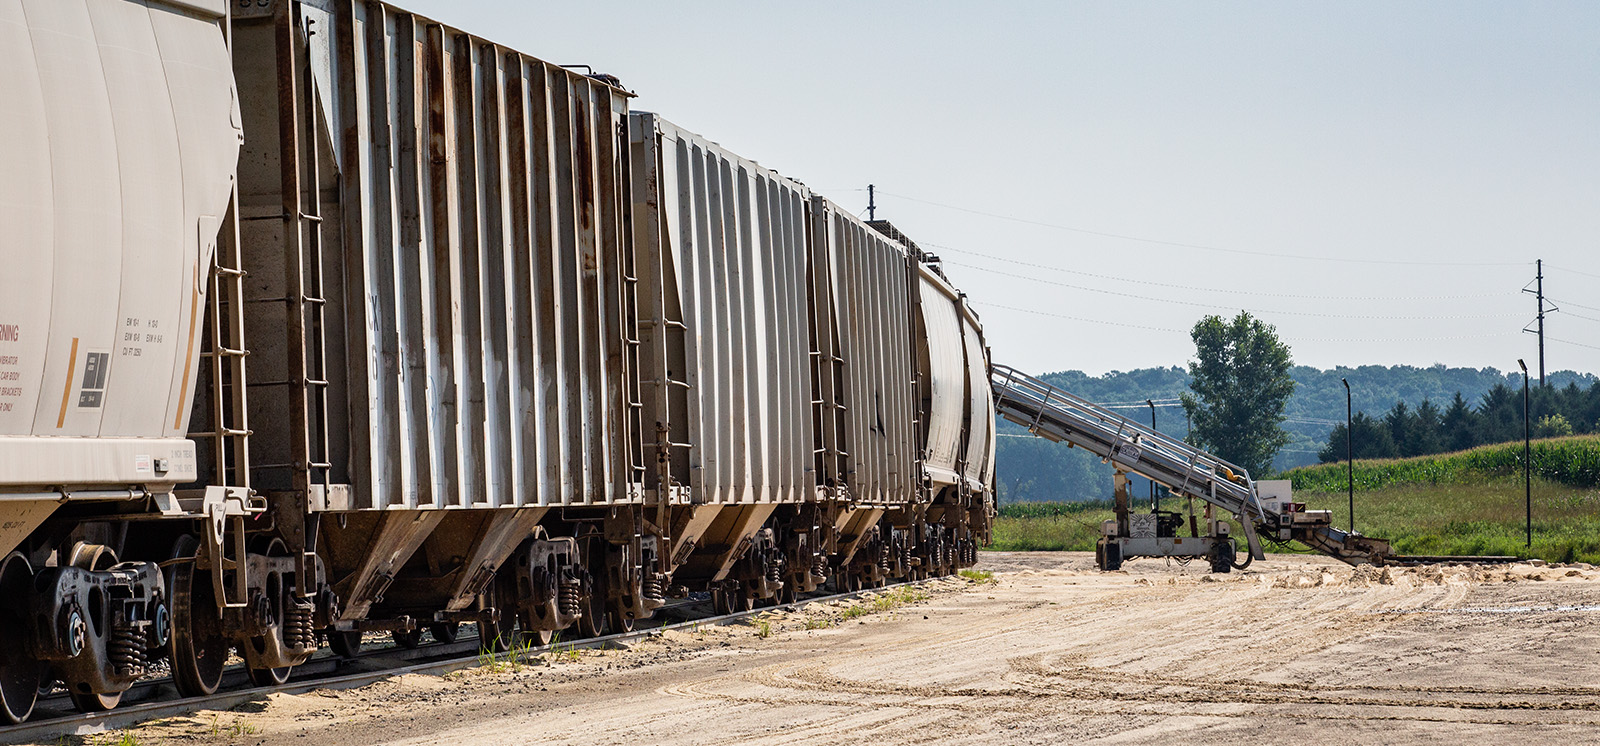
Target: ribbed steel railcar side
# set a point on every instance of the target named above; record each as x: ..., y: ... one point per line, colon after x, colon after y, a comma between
x: 437, y: 240
x: 870, y: 280
x: 722, y: 255
x: 726, y: 353
x: 864, y: 289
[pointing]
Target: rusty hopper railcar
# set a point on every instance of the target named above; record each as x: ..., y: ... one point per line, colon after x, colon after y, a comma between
x: 472, y: 343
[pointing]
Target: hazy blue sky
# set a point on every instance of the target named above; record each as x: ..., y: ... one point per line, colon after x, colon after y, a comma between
x: 1438, y: 147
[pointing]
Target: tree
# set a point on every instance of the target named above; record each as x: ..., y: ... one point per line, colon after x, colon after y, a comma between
x: 1552, y: 426
x: 1429, y: 432
x: 1402, y: 428
x: 1460, y: 425
x: 1241, y: 384
x: 1372, y: 440
x: 1500, y: 413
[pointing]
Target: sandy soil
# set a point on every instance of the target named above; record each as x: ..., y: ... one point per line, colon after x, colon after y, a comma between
x: 1297, y: 649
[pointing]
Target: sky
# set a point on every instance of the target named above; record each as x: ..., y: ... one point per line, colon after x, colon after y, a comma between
x: 1375, y: 179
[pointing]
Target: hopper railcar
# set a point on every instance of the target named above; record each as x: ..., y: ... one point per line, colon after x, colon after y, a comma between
x: 383, y: 327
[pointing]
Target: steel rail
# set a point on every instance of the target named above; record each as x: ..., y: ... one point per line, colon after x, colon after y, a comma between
x: 457, y: 655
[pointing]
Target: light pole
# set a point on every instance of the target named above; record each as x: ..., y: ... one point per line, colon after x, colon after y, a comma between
x: 1154, y: 506
x: 1527, y: 452
x: 1349, y: 454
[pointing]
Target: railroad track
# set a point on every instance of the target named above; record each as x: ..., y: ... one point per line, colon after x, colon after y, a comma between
x: 154, y: 699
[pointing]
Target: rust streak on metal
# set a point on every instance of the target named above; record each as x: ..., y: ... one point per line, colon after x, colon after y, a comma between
x: 66, y: 390
x: 188, y: 356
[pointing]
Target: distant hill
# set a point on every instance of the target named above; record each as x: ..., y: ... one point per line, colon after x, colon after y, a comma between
x: 1032, y: 469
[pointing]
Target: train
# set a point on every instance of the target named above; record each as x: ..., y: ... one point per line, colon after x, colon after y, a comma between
x: 320, y: 320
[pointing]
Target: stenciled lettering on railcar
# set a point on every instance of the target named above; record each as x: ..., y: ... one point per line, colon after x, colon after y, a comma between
x: 10, y: 374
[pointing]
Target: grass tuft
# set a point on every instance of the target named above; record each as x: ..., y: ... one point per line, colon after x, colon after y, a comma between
x: 978, y: 577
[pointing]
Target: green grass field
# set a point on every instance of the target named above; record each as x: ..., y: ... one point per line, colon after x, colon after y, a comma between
x: 1463, y: 503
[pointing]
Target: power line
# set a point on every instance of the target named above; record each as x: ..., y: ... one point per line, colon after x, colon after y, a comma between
x: 1233, y: 291
x: 1574, y: 305
x: 1575, y: 271
x: 1080, y: 318
x: 1569, y: 342
x: 1214, y: 306
x: 1404, y: 339
x: 1580, y: 316
x: 1288, y: 338
x: 1203, y: 247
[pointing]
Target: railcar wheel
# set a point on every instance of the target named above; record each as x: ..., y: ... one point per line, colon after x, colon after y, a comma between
x: 497, y: 635
x: 788, y: 595
x: 276, y: 596
x: 408, y: 639
x: 853, y: 582
x: 198, y: 648
x: 269, y: 676
x: 595, y: 611
x: 618, y: 621
x: 21, y: 674
x: 445, y: 632
x: 95, y: 558
x: 494, y: 636
x: 721, y: 601
x: 92, y: 702
x: 345, y: 644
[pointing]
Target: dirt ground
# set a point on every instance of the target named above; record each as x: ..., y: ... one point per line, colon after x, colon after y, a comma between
x: 1296, y: 649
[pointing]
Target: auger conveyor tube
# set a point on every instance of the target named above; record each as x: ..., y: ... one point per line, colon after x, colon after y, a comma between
x: 1187, y: 471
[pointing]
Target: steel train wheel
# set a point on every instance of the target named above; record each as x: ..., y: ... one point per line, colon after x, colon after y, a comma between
x: 20, y: 672
x: 269, y: 676
x: 345, y: 644
x: 498, y: 635
x: 445, y: 631
x: 198, y: 647
x: 721, y: 601
x: 597, y: 607
x: 408, y: 639
x: 618, y: 621
x: 96, y: 558
x: 93, y: 702
x: 273, y: 676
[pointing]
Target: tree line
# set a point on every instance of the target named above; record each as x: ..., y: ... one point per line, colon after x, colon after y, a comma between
x: 1496, y: 418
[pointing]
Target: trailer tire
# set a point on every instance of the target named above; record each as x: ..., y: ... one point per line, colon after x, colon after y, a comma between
x: 1113, y: 557
x: 1222, y: 556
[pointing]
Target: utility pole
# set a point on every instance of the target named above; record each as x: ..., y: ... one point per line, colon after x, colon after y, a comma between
x: 1154, y: 505
x: 1349, y: 453
x: 872, y: 214
x: 1538, y: 293
x: 1527, y: 452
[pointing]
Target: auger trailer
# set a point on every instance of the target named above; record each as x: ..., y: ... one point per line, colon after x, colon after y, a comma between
x: 1264, y: 509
